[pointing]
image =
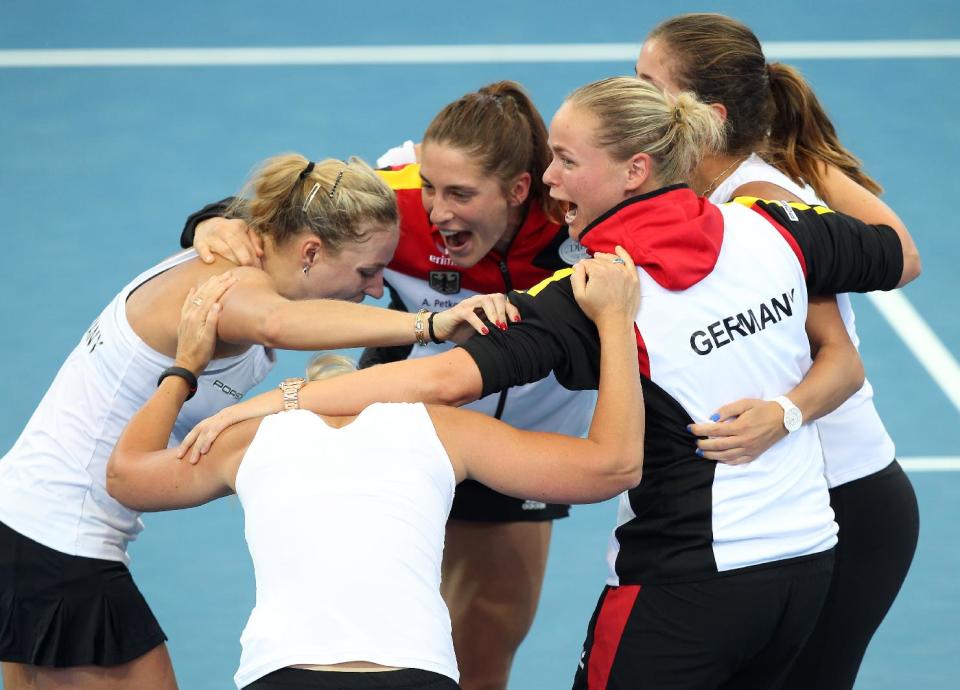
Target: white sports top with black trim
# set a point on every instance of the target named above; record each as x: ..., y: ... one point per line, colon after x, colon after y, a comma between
x: 345, y: 528
x: 53, y: 480
x: 854, y: 439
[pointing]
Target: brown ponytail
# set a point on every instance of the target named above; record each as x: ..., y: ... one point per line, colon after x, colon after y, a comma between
x: 500, y: 127
x: 802, y: 137
x: 770, y: 108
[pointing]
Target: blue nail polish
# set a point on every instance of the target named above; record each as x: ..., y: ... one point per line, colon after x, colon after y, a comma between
x: 689, y: 428
x: 715, y: 417
x: 699, y: 453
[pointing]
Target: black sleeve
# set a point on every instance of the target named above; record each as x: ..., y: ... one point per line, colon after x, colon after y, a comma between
x: 553, y: 335
x: 214, y: 210
x: 842, y: 254
x: 383, y: 355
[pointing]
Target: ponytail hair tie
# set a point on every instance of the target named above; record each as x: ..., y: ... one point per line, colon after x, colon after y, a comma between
x: 307, y: 170
x: 677, y: 114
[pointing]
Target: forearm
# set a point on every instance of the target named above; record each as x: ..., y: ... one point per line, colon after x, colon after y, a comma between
x: 618, y: 419
x: 150, y: 428
x: 836, y: 374
x: 450, y: 378
x: 332, y: 324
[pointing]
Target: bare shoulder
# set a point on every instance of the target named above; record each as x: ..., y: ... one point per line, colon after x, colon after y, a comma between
x: 460, y: 432
x: 765, y: 190
x: 228, y: 450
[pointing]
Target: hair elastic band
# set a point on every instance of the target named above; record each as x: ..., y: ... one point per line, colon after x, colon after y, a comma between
x: 313, y: 193
x: 307, y: 170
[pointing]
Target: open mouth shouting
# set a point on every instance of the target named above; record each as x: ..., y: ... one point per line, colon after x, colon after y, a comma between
x: 456, y: 241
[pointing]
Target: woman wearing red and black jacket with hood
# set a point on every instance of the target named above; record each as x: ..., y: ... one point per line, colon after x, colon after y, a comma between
x: 475, y: 218
x: 717, y: 572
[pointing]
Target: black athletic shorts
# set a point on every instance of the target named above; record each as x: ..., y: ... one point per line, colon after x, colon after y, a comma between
x: 474, y: 502
x: 60, y: 610
x: 734, y: 632
x: 303, y: 679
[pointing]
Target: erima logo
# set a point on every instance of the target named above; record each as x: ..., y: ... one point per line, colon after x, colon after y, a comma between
x: 441, y: 260
x: 533, y: 505
x: 227, y: 389
x: 720, y: 333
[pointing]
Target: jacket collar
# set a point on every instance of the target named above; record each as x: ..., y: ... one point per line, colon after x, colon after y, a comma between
x: 671, y: 233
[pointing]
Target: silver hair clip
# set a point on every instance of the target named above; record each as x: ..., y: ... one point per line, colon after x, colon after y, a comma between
x: 313, y: 193
x: 333, y: 190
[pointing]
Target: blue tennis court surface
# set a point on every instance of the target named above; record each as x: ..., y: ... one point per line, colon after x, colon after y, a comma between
x: 100, y: 163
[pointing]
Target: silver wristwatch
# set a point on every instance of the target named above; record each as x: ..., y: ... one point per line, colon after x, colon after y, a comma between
x: 291, y: 393
x: 792, y: 416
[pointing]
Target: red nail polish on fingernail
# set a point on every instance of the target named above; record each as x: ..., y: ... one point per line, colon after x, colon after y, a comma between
x: 501, y: 325
x: 485, y: 330
x: 516, y: 318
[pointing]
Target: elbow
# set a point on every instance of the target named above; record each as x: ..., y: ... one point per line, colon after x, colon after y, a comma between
x: 857, y: 376
x: 443, y: 390
x: 451, y: 378
x: 911, y: 268
x: 118, y: 480
x: 627, y: 471
x: 115, y: 476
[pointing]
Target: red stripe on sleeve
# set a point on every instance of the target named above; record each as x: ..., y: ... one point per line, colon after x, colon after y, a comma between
x: 786, y: 236
x: 614, y: 612
x: 643, y: 357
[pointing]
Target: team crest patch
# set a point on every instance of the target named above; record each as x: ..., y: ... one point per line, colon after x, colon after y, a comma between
x: 445, y: 282
x: 572, y: 251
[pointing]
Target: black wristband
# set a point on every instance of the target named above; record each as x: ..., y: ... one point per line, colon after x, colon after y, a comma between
x: 185, y: 374
x: 433, y: 336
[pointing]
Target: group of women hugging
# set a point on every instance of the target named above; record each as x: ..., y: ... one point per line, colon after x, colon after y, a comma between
x: 399, y: 516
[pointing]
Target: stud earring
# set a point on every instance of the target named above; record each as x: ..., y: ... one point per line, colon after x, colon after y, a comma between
x: 306, y: 269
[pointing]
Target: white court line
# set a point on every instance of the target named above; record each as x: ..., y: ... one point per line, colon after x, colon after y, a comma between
x: 906, y: 321
x: 930, y: 464
x: 448, y: 54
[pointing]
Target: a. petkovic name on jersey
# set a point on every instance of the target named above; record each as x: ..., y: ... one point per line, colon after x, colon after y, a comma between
x: 742, y: 324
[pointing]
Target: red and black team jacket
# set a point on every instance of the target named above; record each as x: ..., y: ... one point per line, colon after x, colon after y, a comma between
x: 723, y: 305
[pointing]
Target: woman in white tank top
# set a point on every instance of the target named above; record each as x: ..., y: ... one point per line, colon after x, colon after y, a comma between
x: 772, y: 111
x: 326, y: 231
x: 345, y: 516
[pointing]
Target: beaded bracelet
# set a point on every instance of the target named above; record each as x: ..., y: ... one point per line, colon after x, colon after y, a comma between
x: 418, y: 328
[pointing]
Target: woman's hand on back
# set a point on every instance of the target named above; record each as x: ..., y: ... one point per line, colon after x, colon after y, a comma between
x: 460, y: 322
x: 197, y: 332
x: 230, y: 238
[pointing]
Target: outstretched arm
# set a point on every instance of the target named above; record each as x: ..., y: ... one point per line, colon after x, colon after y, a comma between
x: 556, y: 468
x: 450, y: 378
x: 254, y: 312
